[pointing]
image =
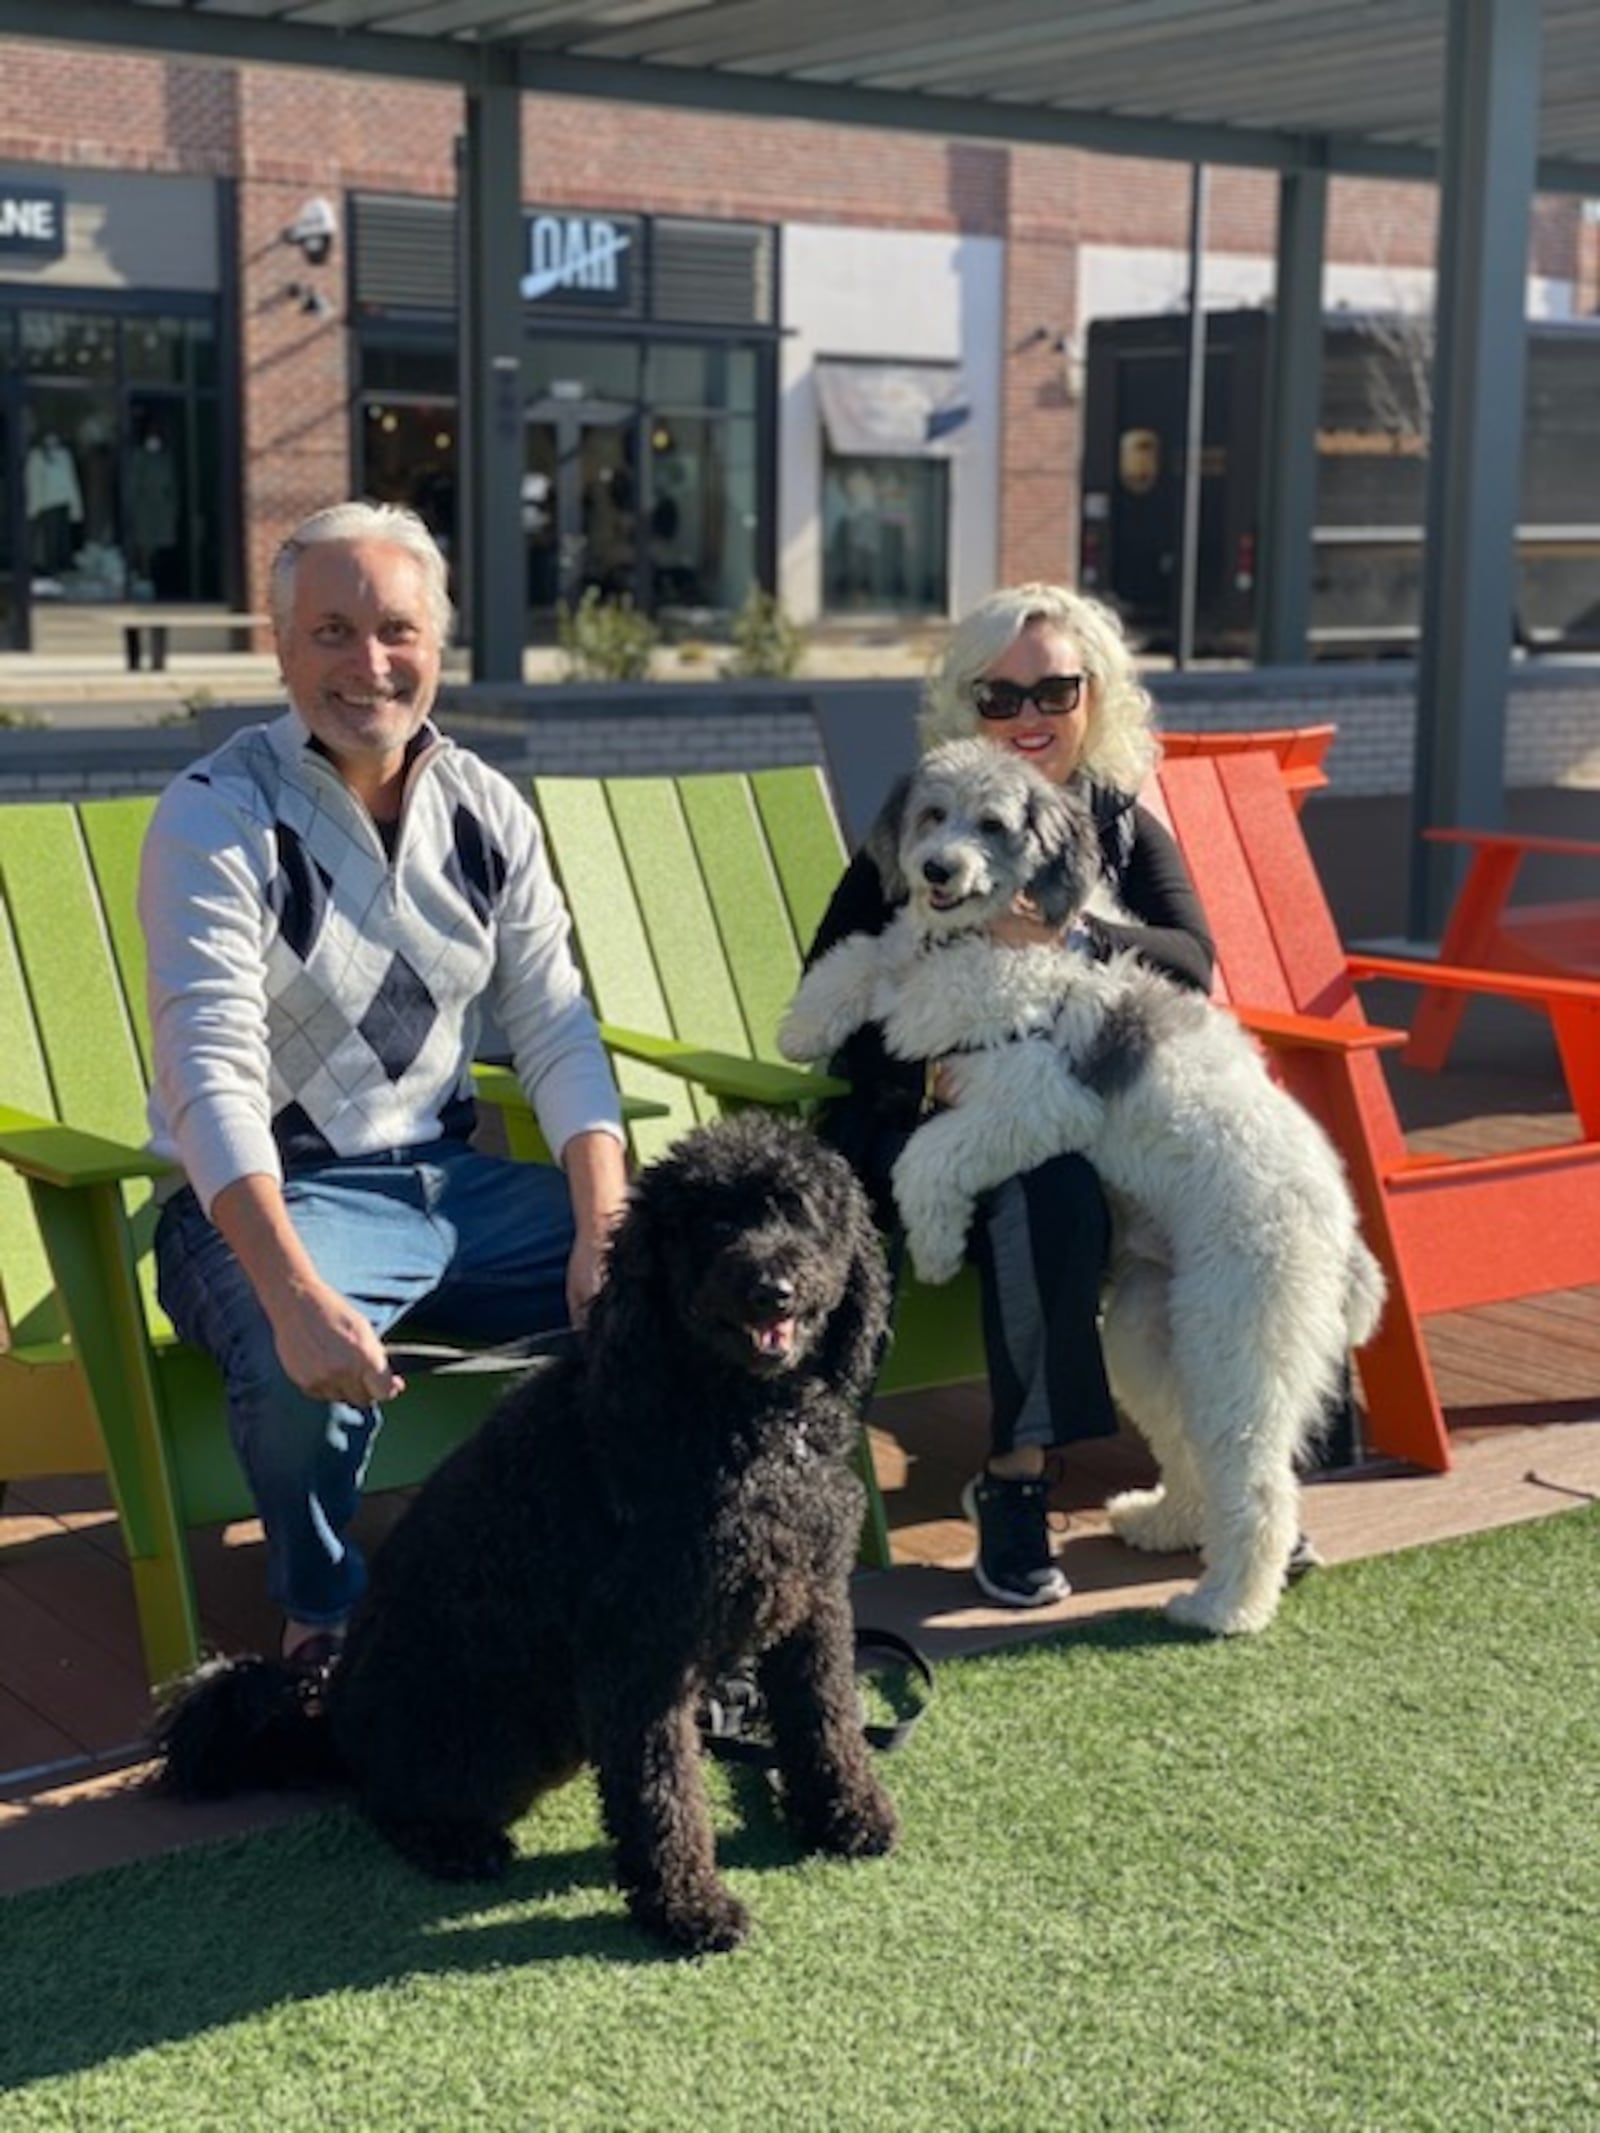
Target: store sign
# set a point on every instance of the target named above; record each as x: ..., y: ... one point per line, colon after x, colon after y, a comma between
x: 583, y: 260
x: 33, y: 222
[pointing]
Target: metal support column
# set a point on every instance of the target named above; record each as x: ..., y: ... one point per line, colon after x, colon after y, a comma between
x: 1289, y: 462
x: 1194, y: 425
x: 1475, y: 444
x: 494, y: 594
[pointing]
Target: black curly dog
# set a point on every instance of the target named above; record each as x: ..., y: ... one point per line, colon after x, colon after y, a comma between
x: 630, y: 1523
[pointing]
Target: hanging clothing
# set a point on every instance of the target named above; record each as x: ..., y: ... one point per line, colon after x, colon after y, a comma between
x: 152, y: 504
x: 50, y: 481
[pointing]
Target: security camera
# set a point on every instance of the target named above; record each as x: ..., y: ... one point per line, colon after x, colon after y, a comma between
x: 313, y: 229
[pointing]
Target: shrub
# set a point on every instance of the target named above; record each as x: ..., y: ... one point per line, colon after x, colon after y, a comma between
x: 765, y: 641
x: 15, y: 715
x: 605, y: 640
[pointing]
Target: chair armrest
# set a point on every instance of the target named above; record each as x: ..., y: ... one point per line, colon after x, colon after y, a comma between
x: 53, y: 1154
x: 1515, y: 841
x: 757, y: 1081
x: 1457, y: 977
x: 1316, y: 1033
x: 499, y: 1086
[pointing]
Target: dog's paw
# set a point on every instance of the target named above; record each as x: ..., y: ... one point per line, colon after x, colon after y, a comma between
x: 800, y: 1038
x: 936, y: 1253
x: 451, y: 1851
x: 712, y: 1922
x: 1219, y: 1614
x: 861, y: 1828
x: 1150, y: 1520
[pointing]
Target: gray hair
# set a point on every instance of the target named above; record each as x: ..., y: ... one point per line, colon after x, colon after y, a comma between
x: 1120, y: 747
x: 393, y: 524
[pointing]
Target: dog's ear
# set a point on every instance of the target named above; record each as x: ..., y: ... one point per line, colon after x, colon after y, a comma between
x: 882, y: 842
x: 634, y: 1316
x: 858, y: 1332
x: 1063, y: 829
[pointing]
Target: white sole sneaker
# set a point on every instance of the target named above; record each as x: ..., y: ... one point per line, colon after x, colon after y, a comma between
x: 1050, y: 1585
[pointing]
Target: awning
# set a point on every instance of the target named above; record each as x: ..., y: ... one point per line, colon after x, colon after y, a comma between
x: 892, y: 410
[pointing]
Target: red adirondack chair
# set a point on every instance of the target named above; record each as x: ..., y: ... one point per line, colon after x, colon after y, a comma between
x: 1451, y: 1233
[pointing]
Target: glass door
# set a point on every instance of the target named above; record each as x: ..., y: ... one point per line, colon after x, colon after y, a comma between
x: 580, y: 502
x: 13, y: 554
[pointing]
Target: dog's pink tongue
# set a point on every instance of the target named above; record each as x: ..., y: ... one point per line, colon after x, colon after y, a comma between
x: 776, y: 1337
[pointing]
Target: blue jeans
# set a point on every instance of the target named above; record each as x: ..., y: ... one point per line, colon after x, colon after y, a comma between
x: 463, y: 1246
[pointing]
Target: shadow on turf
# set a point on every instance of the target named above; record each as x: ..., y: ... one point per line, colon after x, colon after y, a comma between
x: 153, y: 1953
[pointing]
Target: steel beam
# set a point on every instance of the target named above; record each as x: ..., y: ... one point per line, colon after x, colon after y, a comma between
x: 1475, y: 443
x: 494, y: 586
x: 1287, y: 510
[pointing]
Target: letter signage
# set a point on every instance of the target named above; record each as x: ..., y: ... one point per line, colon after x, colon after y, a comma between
x: 33, y: 221
x: 580, y: 261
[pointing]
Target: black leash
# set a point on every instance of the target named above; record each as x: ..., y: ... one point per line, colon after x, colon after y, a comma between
x: 733, y: 1714
x: 444, y: 1359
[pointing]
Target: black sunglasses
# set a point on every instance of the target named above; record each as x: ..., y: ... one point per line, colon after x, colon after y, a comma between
x: 1053, y: 694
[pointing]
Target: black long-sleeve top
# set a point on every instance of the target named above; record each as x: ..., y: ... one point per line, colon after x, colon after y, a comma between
x: 1166, y: 926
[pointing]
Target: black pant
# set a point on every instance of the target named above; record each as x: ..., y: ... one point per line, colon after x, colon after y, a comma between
x: 1040, y: 1244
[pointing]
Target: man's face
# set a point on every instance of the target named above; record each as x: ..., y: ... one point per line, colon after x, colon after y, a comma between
x: 361, y: 653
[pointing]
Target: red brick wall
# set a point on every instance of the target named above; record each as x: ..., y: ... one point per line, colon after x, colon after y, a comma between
x: 287, y: 134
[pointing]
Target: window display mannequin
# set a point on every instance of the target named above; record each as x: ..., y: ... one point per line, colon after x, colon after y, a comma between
x: 151, y: 517
x: 54, y: 502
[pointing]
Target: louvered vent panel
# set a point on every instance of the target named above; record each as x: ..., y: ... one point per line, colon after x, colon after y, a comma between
x: 405, y: 254
x: 712, y: 274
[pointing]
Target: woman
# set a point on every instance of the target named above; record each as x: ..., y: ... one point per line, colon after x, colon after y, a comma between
x: 1045, y: 673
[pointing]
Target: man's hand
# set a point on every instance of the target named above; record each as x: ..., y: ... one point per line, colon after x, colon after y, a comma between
x: 597, y: 1177
x: 328, y: 1349
x: 324, y: 1344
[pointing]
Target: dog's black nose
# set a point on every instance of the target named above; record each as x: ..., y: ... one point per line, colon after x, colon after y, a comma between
x: 936, y: 871
x: 774, y: 1293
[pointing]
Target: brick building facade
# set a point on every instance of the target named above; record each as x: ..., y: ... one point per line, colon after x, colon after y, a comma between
x: 993, y: 259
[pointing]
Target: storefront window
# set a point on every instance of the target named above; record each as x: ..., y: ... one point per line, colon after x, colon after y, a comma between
x: 641, y: 464
x: 69, y: 344
x: 885, y: 531
x: 425, y: 370
x: 408, y: 456
x: 703, y: 511
x: 118, y: 455
x: 581, y: 370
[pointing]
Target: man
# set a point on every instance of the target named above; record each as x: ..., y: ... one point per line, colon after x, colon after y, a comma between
x: 332, y: 904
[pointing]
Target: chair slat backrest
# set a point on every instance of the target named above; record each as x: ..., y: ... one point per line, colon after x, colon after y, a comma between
x: 74, y: 1010
x: 693, y: 900
x: 609, y: 936
x: 1277, y: 944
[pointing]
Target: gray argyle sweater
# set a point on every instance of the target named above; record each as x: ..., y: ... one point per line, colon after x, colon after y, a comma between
x: 312, y: 994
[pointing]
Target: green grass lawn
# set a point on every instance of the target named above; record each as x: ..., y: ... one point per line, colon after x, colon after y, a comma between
x: 1345, y: 1875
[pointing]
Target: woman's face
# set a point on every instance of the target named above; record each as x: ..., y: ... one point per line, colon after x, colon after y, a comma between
x: 1051, y: 741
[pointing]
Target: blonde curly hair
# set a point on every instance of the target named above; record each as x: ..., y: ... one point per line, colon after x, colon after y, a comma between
x: 1120, y: 747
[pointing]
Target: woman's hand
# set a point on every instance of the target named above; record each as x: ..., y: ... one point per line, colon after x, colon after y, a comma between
x: 1023, y: 926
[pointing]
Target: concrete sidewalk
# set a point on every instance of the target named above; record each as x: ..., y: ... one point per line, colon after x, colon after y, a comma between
x: 88, y: 689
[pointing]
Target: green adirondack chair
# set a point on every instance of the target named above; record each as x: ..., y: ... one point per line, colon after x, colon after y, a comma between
x: 693, y: 900
x: 92, y: 1378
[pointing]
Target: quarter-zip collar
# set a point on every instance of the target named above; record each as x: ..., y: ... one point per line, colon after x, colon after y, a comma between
x: 298, y: 748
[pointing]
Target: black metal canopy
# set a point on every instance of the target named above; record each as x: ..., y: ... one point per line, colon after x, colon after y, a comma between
x: 1355, y: 86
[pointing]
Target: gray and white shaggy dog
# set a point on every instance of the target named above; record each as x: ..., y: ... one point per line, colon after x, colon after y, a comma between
x: 634, y: 1521
x: 1242, y: 1279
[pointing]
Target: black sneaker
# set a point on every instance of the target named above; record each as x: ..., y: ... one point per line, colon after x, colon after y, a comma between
x: 1014, y: 1564
x: 1303, y: 1558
